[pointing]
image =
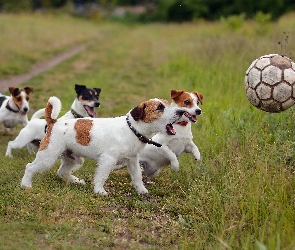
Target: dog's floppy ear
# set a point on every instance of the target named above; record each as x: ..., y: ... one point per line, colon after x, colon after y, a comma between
x: 175, y: 93
x: 28, y: 89
x: 79, y: 88
x: 200, y: 96
x: 138, y: 112
x: 98, y: 90
x: 14, y: 91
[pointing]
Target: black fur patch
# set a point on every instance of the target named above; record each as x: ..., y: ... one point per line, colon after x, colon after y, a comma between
x: 2, y: 99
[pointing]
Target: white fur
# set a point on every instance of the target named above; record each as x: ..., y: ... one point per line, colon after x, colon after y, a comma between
x: 35, y: 129
x: 10, y: 119
x: 152, y: 159
x: 56, y: 104
x: 112, y: 142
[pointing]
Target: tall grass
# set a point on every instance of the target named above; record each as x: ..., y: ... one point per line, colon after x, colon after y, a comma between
x: 240, y: 196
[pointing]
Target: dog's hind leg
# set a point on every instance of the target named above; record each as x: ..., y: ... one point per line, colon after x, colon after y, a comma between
x: 18, y: 143
x: 70, y: 165
x: 25, y: 136
x: 44, y: 160
x: 136, y: 176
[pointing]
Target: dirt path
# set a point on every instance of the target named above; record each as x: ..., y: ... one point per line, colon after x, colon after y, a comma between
x: 39, y: 68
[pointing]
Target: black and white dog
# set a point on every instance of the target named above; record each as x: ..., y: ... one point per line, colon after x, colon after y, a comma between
x: 34, y: 132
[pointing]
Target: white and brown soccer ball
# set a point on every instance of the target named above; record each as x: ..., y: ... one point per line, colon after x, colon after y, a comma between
x: 270, y: 83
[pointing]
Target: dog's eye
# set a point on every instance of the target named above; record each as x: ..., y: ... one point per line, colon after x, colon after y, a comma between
x: 18, y: 99
x: 161, y: 107
x: 27, y: 98
x: 187, y: 102
x: 198, y: 102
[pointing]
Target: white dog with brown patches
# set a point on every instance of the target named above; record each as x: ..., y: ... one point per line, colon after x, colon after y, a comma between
x: 14, y: 108
x: 152, y: 159
x: 108, y: 141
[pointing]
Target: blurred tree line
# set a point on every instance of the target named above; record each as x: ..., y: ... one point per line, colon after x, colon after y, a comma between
x: 168, y: 10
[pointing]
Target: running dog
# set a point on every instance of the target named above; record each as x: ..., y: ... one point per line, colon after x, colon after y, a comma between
x: 153, y: 159
x: 14, y: 108
x: 108, y: 141
x: 34, y: 132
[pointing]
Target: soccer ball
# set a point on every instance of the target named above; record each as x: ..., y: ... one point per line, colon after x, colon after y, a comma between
x: 270, y: 83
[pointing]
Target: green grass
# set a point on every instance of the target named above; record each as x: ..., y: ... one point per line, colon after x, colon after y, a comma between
x: 240, y: 196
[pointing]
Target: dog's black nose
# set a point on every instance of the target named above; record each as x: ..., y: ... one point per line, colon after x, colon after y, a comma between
x: 26, y: 109
x: 198, y: 112
x: 96, y: 104
x: 180, y: 112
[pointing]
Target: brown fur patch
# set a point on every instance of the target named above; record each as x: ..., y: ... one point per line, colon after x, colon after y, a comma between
x: 50, y: 122
x: 151, y: 111
x: 83, y: 127
x: 199, y: 96
x: 45, y: 141
x: 18, y: 100
x: 183, y: 99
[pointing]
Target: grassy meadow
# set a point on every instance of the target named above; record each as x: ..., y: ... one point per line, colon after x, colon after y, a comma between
x: 241, y: 195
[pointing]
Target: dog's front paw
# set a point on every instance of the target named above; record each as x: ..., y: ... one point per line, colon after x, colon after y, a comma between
x: 26, y: 184
x: 197, y: 156
x: 8, y: 155
x: 100, y: 191
x: 175, y: 166
x: 142, y: 190
x: 78, y: 181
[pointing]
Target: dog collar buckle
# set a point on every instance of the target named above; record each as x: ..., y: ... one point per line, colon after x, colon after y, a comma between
x: 141, y: 137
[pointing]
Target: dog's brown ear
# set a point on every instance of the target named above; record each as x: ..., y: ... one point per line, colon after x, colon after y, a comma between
x: 137, y: 112
x: 175, y: 93
x: 12, y: 89
x: 28, y: 89
x: 199, y: 96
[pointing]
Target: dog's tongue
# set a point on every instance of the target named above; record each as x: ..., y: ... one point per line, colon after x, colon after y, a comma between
x: 90, y: 111
x: 192, y: 118
x: 23, y: 113
x: 170, y: 130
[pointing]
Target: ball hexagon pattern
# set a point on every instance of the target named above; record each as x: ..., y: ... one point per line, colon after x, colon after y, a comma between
x: 270, y: 83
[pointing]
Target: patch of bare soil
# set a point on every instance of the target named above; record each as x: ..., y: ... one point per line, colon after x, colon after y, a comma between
x: 39, y: 68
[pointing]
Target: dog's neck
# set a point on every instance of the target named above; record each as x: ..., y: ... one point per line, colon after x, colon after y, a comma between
x: 14, y: 109
x: 77, y: 110
x: 76, y: 115
x: 140, y: 136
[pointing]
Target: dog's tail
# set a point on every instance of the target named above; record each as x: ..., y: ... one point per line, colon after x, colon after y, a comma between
x: 38, y: 114
x: 52, y: 110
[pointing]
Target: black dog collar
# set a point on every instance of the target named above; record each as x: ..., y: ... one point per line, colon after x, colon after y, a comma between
x: 141, y: 137
x: 75, y: 114
x: 10, y: 108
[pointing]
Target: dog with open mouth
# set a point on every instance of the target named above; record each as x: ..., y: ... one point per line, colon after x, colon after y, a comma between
x: 31, y: 135
x: 14, y: 108
x: 152, y: 159
x: 107, y: 141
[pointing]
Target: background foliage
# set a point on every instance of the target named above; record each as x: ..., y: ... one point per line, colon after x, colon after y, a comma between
x: 164, y: 10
